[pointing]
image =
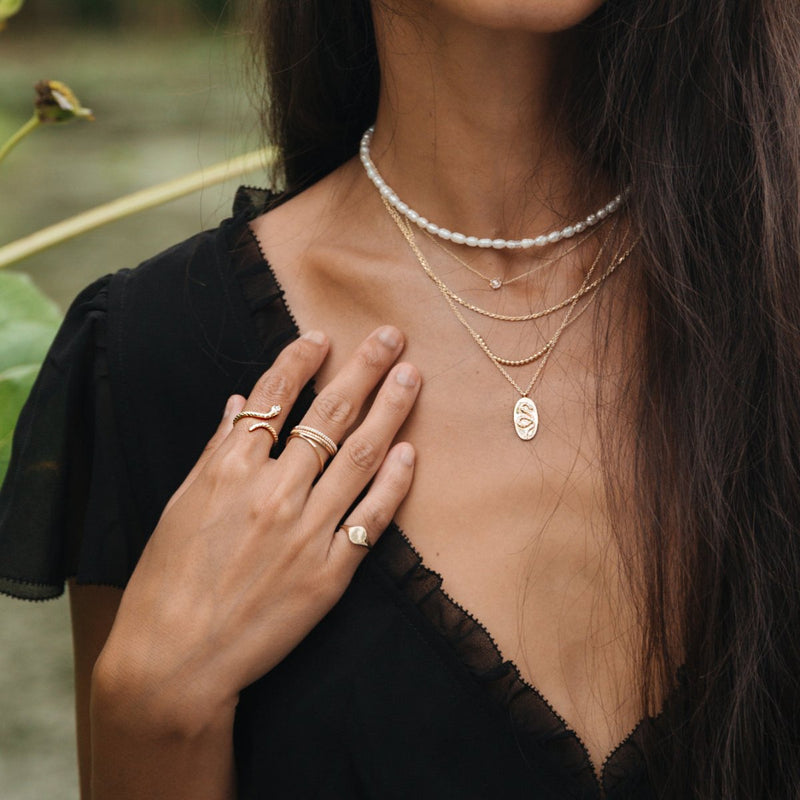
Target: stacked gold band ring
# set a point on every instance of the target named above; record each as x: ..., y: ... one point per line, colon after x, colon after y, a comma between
x: 318, y: 436
x: 273, y: 412
x: 357, y: 534
x: 317, y: 439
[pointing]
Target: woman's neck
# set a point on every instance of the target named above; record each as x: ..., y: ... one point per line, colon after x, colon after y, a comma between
x: 465, y: 132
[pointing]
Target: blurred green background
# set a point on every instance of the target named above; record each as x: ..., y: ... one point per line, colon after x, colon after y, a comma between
x: 167, y: 83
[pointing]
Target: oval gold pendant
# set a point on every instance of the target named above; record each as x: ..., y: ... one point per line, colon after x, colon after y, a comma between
x: 526, y: 418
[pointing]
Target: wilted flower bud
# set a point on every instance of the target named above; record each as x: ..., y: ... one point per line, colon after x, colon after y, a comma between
x: 55, y: 102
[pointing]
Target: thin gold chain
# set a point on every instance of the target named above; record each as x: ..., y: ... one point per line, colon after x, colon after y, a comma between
x: 498, y: 283
x: 448, y: 295
x: 544, y: 353
x: 585, y: 289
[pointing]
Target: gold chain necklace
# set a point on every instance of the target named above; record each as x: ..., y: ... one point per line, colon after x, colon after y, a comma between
x: 450, y: 295
x: 526, y: 414
x: 499, y: 283
x: 444, y: 288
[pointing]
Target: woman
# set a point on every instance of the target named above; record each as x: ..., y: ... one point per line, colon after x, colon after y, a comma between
x: 619, y: 511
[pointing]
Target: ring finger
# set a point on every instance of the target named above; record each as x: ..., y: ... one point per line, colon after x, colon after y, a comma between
x: 338, y: 405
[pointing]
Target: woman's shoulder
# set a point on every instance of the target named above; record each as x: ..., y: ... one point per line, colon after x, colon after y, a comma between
x: 198, y: 302
x: 130, y: 391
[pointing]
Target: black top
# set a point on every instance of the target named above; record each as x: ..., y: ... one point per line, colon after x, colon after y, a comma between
x: 398, y: 692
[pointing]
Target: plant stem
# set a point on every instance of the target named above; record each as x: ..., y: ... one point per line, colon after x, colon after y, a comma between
x: 132, y: 204
x: 6, y: 148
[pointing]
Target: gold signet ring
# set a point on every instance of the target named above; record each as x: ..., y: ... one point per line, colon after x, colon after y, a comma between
x: 356, y: 534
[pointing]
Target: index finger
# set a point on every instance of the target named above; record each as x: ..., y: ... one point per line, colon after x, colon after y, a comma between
x: 276, y: 391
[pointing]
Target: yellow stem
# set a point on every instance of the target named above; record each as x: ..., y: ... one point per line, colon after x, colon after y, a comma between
x: 133, y: 203
x: 32, y: 123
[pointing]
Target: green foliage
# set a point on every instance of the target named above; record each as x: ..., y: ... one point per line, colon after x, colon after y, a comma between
x: 8, y: 8
x: 28, y: 322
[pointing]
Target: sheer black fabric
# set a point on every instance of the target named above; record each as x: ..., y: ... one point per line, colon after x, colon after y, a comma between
x: 398, y: 692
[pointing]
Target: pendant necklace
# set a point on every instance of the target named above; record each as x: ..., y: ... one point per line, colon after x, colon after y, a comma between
x: 585, y: 289
x: 525, y: 413
x: 499, y: 283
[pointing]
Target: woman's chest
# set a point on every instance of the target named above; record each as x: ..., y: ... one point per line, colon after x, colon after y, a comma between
x: 398, y: 693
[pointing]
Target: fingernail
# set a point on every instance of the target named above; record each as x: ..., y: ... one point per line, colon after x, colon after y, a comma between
x: 389, y: 337
x: 406, y: 376
x: 318, y: 337
x: 406, y: 454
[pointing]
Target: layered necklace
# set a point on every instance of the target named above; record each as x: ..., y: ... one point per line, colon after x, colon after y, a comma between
x: 525, y: 414
x: 542, y: 240
x: 496, y: 283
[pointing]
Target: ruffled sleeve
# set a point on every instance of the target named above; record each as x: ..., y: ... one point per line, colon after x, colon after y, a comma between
x: 130, y: 392
x: 132, y: 389
x: 65, y: 477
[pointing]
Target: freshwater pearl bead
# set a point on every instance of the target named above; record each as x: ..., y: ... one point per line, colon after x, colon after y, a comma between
x: 473, y: 241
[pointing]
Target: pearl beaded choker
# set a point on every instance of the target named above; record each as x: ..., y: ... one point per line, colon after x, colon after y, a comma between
x: 473, y: 241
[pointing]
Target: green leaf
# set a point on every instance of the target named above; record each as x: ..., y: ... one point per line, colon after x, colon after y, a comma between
x: 21, y: 301
x: 28, y: 322
x: 8, y: 8
x: 15, y: 386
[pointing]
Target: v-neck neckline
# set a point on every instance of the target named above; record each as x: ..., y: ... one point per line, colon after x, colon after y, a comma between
x: 534, y: 718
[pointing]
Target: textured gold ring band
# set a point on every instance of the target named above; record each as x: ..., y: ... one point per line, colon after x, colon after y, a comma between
x: 295, y: 434
x: 319, y: 437
x: 267, y: 427
x: 271, y: 414
x: 264, y: 415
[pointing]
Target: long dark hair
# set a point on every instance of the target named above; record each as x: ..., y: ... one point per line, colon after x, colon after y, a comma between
x: 697, y: 107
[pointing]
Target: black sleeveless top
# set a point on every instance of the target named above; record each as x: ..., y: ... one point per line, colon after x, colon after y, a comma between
x: 398, y: 692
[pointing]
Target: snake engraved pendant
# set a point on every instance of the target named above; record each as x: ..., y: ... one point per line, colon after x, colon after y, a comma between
x: 526, y: 418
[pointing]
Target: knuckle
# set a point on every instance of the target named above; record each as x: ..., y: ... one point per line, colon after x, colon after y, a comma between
x: 274, y: 508
x: 229, y: 466
x: 334, y: 407
x: 370, y: 358
x: 362, y: 454
x: 304, y: 352
x: 398, y: 483
x: 375, y: 519
x: 276, y: 386
x: 396, y: 402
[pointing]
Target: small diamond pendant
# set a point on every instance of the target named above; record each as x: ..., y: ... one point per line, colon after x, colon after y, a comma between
x: 495, y: 283
x: 526, y: 418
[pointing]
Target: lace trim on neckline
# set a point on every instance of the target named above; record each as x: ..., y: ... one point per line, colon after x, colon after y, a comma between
x: 538, y: 726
